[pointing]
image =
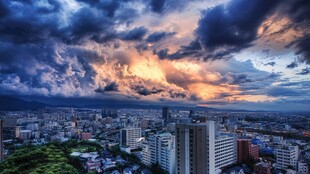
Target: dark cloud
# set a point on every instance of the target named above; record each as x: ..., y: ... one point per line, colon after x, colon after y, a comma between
x: 32, y: 23
x: 304, y: 71
x: 162, y: 53
x: 157, y: 5
x: 231, y: 26
x: 88, y: 24
x: 233, y: 79
x: 113, y: 86
x: 299, y: 11
x: 41, y: 50
x: 108, y: 6
x: 174, y: 94
x: 283, y: 91
x: 45, y: 69
x: 166, y: 6
x: 194, y: 97
x: 302, y: 47
x: 4, y: 11
x: 141, y: 47
x: 134, y: 34
x: 193, y: 49
x: 270, y: 63
x: 158, y: 36
x: 226, y: 29
x: 292, y: 65
x: 297, y: 85
x: 142, y: 90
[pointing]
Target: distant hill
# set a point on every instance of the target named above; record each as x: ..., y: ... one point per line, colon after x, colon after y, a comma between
x: 8, y: 103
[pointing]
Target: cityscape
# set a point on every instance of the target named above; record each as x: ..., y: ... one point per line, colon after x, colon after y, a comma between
x: 154, y: 87
x: 156, y: 141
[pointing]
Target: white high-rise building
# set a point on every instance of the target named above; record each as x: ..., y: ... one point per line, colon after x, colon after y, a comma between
x: 201, y: 150
x: 162, y: 151
x: 130, y: 137
x: 146, y: 153
x: 225, y: 151
x: 286, y: 156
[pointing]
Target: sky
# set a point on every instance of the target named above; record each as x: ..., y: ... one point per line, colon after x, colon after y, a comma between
x: 235, y: 54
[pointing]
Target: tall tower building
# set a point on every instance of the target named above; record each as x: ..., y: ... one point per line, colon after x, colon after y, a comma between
x: 195, y: 148
x: 166, y: 114
x: 1, y: 140
x: 162, y: 151
x: 130, y: 137
x: 200, y: 149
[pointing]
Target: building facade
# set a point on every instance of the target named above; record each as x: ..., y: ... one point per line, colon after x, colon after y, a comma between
x: 286, y: 156
x: 247, y: 151
x: 166, y: 114
x: 303, y: 168
x: 194, y: 144
x: 130, y: 137
x: 225, y: 151
x: 162, y: 151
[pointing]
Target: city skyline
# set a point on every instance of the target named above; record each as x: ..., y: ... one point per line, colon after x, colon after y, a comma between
x: 227, y: 54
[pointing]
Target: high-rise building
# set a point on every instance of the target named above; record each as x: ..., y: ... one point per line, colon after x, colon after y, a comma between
x: 162, y: 151
x: 286, y: 156
x: 130, y: 137
x: 1, y: 140
x: 201, y: 149
x: 166, y: 114
x: 254, y: 152
x: 191, y: 113
x: 225, y: 151
x: 247, y: 151
x: 146, y: 153
x: 194, y: 143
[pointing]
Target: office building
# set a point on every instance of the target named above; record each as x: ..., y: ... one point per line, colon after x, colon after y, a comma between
x: 146, y: 153
x: 225, y: 151
x: 247, y: 151
x: 162, y: 151
x: 201, y: 149
x: 191, y: 113
x: 166, y: 114
x: 194, y: 143
x: 130, y: 137
x: 286, y: 156
x: 254, y: 152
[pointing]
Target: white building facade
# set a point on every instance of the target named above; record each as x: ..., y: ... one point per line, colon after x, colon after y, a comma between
x: 225, y: 151
x: 286, y: 156
x: 162, y: 151
x: 130, y: 137
x: 302, y: 168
